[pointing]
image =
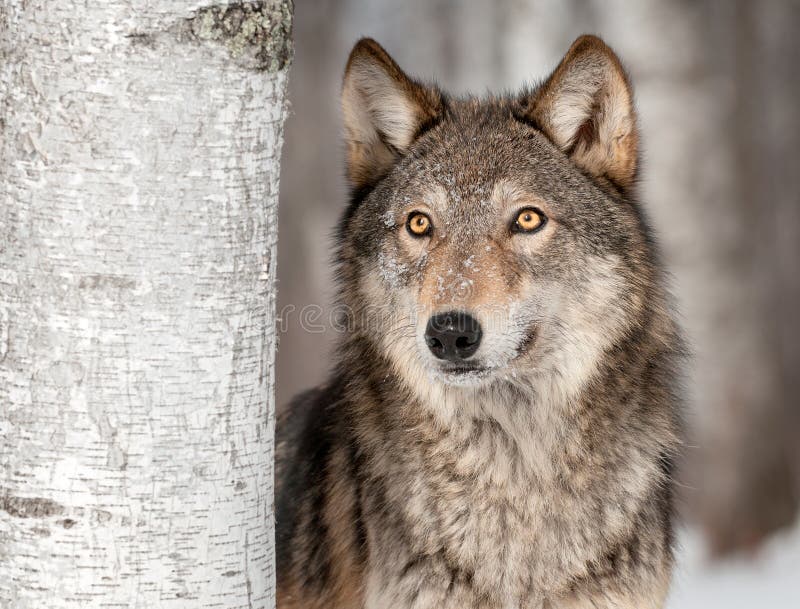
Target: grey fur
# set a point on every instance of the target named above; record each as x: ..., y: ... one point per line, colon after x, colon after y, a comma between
x: 544, y: 479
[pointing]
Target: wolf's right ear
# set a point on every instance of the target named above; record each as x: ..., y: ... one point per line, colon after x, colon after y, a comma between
x: 384, y: 111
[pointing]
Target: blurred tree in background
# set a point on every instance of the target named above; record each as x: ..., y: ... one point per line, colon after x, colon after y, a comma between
x: 717, y: 92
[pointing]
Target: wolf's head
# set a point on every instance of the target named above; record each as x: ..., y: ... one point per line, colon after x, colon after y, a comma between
x: 493, y: 240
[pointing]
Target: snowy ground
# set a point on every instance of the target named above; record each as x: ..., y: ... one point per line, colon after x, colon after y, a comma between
x: 770, y: 580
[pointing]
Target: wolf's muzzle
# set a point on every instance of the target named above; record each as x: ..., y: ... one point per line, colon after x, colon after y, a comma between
x: 453, y: 336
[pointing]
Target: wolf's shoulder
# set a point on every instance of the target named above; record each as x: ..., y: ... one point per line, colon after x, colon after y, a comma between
x: 293, y: 423
x: 305, y: 435
x: 305, y: 429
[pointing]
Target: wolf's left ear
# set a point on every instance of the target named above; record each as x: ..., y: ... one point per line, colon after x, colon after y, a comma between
x: 384, y: 111
x: 586, y: 109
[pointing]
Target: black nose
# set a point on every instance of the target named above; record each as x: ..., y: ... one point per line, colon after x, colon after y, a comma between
x: 453, y: 336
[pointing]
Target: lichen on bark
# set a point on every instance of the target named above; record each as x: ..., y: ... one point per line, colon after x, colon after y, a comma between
x: 258, y: 35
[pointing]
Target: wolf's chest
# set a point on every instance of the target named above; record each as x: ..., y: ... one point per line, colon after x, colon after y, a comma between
x: 499, y: 523
x: 514, y: 523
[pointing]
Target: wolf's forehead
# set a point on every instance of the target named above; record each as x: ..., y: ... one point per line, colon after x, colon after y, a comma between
x: 471, y: 157
x: 478, y: 162
x: 487, y: 195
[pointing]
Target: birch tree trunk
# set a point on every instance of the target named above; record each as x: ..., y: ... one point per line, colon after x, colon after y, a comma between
x: 139, y: 161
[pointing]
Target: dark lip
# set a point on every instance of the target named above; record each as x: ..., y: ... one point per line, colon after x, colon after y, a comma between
x: 461, y: 369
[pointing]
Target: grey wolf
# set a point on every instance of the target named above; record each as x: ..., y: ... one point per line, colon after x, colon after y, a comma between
x: 502, y: 418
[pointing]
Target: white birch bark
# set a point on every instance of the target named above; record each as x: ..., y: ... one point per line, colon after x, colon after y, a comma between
x: 139, y: 157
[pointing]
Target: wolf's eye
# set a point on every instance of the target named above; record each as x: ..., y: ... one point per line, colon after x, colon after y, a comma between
x: 418, y: 224
x: 528, y: 220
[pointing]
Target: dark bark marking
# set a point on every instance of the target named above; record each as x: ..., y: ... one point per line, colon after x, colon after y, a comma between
x: 29, y: 507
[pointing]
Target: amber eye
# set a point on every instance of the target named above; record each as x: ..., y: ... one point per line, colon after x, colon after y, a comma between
x: 528, y: 220
x: 418, y: 224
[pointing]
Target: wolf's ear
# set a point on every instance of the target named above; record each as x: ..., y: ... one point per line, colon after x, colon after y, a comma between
x: 384, y: 111
x: 586, y: 108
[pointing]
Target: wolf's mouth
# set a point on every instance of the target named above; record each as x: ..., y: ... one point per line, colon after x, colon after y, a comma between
x: 461, y: 374
x: 461, y: 369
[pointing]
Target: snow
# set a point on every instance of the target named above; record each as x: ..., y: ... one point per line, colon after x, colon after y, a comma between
x: 389, y: 219
x: 768, y: 580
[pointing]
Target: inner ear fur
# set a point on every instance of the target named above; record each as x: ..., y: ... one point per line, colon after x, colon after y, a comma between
x: 383, y: 111
x: 586, y: 109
